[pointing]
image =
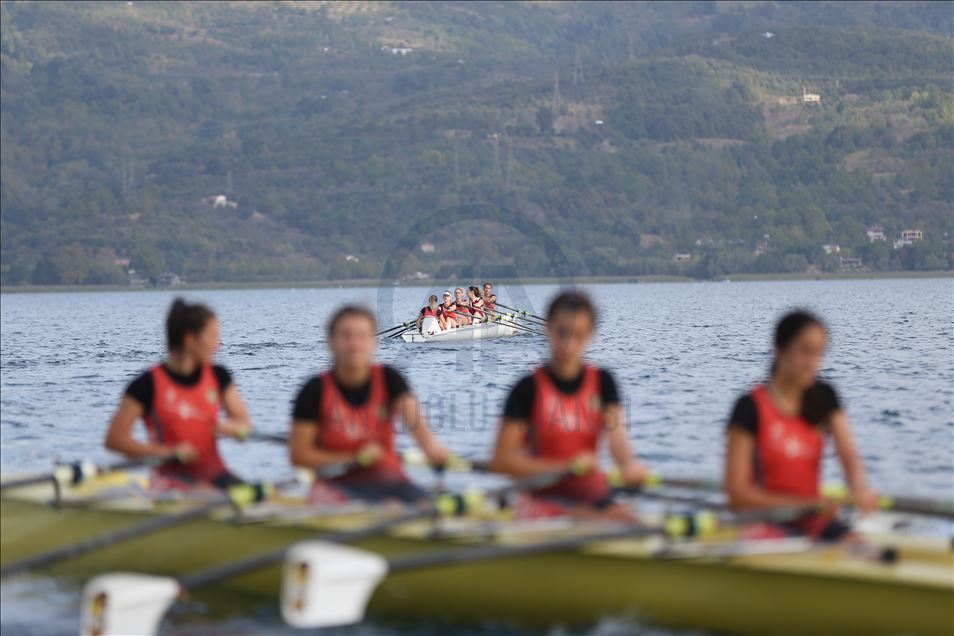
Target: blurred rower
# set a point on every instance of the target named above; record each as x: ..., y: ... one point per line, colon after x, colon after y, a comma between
x: 777, y: 431
x: 463, y: 306
x: 430, y: 311
x: 345, y: 416
x: 180, y: 401
x: 556, y: 418
x: 447, y: 312
x: 489, y: 297
x: 476, y: 304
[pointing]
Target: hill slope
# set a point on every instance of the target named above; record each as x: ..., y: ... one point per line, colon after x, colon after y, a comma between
x: 342, y: 136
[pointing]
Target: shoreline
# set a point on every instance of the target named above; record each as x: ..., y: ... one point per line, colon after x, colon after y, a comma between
x: 544, y: 280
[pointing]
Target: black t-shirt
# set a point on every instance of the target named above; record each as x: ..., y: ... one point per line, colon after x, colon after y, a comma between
x: 308, y: 403
x: 823, y: 397
x: 520, y: 401
x: 142, y: 389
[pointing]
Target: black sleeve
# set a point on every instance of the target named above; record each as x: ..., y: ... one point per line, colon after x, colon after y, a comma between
x: 397, y: 385
x: 744, y: 416
x: 608, y: 392
x: 308, y: 403
x: 142, y: 389
x: 520, y: 401
x: 223, y: 376
x: 819, y: 402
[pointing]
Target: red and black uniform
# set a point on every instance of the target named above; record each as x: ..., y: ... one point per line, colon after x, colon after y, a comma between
x: 477, y: 311
x: 448, y: 312
x: 185, y: 409
x: 788, y: 448
x: 427, y: 311
x: 490, y: 302
x: 348, y: 418
x: 563, y: 419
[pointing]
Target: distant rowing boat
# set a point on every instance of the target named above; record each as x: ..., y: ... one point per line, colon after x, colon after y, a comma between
x: 770, y: 589
x: 431, y: 332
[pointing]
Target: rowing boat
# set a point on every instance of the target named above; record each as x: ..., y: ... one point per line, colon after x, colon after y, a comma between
x: 806, y: 591
x: 431, y: 332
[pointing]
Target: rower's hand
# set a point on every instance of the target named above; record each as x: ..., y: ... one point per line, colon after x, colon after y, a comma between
x: 236, y: 430
x: 583, y: 464
x: 865, y: 500
x: 634, y: 473
x: 183, y: 453
x: 437, y: 454
x: 369, y: 454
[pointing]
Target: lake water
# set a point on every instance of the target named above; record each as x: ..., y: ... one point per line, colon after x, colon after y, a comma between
x: 681, y: 354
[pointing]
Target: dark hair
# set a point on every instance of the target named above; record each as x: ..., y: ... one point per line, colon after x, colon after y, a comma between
x: 348, y: 311
x: 185, y: 318
x: 474, y: 289
x: 573, y: 302
x: 491, y: 285
x: 817, y: 401
x: 432, y: 297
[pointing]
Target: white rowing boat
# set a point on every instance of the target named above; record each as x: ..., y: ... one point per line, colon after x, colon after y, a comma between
x: 431, y: 331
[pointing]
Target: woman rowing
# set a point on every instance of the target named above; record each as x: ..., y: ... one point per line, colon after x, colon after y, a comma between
x: 489, y: 297
x: 447, y: 312
x: 463, y: 307
x: 556, y: 418
x: 345, y: 416
x: 180, y: 401
x: 428, y: 311
x: 777, y: 431
x: 476, y: 304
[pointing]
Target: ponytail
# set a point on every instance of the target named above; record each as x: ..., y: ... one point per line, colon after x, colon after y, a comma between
x: 185, y: 318
x: 819, y: 400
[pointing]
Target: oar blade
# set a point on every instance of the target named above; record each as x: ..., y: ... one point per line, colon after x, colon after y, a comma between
x: 326, y: 584
x: 118, y: 604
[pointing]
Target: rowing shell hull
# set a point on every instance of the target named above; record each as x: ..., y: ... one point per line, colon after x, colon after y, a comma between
x: 465, y: 333
x: 825, y: 592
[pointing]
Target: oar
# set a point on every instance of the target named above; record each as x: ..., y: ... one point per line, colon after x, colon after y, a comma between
x: 77, y: 472
x: 909, y: 505
x: 116, y: 604
x: 497, y: 316
x: 400, y: 326
x: 515, y: 325
x: 400, y: 333
x: 237, y: 496
x: 522, y: 312
x: 327, y: 585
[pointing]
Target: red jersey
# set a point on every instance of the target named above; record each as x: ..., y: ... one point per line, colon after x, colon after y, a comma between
x: 187, y: 414
x: 788, y: 449
x: 564, y: 425
x: 344, y: 427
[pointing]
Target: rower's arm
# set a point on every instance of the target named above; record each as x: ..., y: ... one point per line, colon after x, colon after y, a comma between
x: 511, y: 457
x: 119, y: 437
x: 850, y: 459
x: 237, y: 422
x: 632, y: 470
x: 409, y: 410
x: 303, y: 449
x: 740, y: 485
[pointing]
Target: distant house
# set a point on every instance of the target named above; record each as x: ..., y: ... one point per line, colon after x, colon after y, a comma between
x: 912, y: 235
x: 351, y: 258
x: 875, y: 233
x: 768, y: 35
x: 831, y: 248
x: 761, y: 247
x: 397, y: 50
x: 682, y: 256
x: 220, y: 201
x: 850, y: 262
x: 121, y: 262
x: 170, y: 279
x: 810, y: 98
x: 427, y: 248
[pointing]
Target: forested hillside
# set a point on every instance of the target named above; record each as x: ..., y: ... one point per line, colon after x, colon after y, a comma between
x: 301, y: 141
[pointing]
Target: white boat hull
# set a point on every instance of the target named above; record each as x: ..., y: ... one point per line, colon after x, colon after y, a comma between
x: 460, y: 334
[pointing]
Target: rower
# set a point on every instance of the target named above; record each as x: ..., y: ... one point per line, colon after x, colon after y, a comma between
x: 556, y: 417
x: 463, y: 306
x: 429, y: 311
x: 346, y: 414
x: 489, y: 297
x: 180, y: 400
x: 447, y: 312
x: 476, y: 304
x: 777, y: 431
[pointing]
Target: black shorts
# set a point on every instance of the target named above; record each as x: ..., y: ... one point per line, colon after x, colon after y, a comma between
x: 405, y: 491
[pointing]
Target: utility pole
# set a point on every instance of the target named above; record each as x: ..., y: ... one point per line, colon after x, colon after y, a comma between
x: 578, y: 67
x: 556, y: 93
x: 496, y: 138
x: 508, y: 180
x: 228, y: 183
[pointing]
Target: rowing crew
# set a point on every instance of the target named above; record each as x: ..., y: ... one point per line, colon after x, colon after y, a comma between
x: 555, y: 419
x: 460, y: 309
